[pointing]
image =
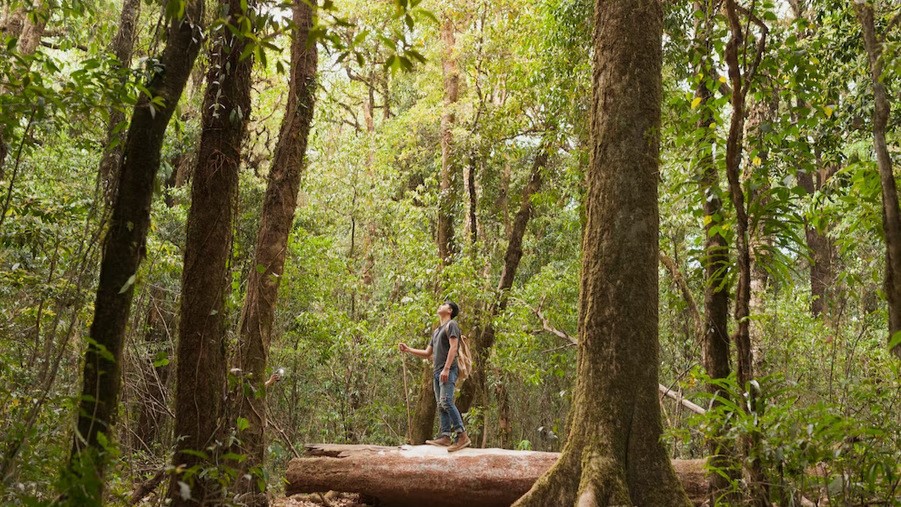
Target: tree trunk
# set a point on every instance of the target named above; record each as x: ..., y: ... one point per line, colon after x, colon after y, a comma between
x: 469, y: 181
x: 123, y: 47
x: 424, y: 414
x: 201, y: 363
x: 414, y: 476
x: 448, y: 165
x: 740, y: 85
x: 822, y: 251
x: 475, y: 388
x: 279, y: 206
x: 124, y: 248
x: 761, y: 116
x: 613, y: 455
x: 891, y: 216
x: 27, y: 26
x: 715, y: 339
x: 33, y: 28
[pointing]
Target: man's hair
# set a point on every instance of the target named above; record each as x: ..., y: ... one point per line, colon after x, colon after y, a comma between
x: 455, y: 310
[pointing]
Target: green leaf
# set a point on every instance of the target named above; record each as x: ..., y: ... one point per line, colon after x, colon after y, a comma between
x: 242, y: 424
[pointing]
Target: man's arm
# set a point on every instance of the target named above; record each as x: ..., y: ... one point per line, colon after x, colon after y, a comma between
x: 451, y: 354
x: 425, y: 353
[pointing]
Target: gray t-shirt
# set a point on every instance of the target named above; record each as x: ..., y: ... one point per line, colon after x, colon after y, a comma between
x: 441, y: 343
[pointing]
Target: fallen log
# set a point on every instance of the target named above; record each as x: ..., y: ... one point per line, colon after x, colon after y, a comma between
x: 427, y: 475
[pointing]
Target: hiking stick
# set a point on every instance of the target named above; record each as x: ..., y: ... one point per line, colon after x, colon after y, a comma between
x: 403, y: 362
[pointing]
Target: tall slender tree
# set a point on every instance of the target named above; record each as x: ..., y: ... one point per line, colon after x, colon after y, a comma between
x: 475, y: 390
x: 424, y: 414
x: 613, y: 455
x: 201, y: 358
x: 741, y: 76
x: 891, y: 215
x: 123, y: 250
x: 123, y: 48
x: 279, y: 206
x: 715, y: 337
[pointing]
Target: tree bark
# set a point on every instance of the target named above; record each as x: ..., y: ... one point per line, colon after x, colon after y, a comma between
x: 415, y: 476
x: 475, y: 388
x: 123, y: 47
x: 891, y: 216
x: 424, y: 413
x: 124, y: 248
x: 447, y: 195
x: 201, y: 362
x: 761, y: 116
x: 613, y: 455
x: 33, y: 28
x: 279, y: 206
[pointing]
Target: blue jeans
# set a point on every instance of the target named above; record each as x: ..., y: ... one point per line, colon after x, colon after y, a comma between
x: 448, y: 416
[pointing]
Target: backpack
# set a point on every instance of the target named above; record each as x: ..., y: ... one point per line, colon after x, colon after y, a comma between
x: 464, y: 360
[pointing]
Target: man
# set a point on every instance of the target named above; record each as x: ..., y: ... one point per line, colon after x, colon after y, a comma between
x: 443, y: 350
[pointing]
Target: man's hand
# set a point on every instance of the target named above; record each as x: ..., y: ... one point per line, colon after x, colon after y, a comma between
x: 445, y: 373
x: 273, y: 379
x: 403, y: 347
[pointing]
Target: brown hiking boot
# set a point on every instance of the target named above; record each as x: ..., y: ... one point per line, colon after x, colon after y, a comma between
x: 442, y: 441
x: 463, y: 441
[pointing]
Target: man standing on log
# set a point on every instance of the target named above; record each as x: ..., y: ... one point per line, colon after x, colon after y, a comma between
x: 444, y: 345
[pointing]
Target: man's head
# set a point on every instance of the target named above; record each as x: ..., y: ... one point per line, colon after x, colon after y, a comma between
x: 449, y: 308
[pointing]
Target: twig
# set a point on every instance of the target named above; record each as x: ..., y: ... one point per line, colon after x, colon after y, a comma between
x: 403, y: 362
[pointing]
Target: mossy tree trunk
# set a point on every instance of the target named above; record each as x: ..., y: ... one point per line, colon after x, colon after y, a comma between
x: 613, y: 455
x: 279, y: 207
x: 123, y: 250
x: 201, y: 359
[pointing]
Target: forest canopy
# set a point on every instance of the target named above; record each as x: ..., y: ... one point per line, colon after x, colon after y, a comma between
x: 671, y: 222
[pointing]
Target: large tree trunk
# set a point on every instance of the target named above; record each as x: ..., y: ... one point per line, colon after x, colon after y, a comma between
x: 123, y: 47
x: 201, y: 363
x: 613, y: 455
x: 891, y: 216
x: 475, y: 389
x: 122, y: 253
x: 279, y: 206
x: 415, y: 476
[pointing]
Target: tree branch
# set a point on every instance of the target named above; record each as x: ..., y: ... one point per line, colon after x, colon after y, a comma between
x: 680, y: 282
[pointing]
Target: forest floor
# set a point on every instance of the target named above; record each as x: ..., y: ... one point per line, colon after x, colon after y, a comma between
x: 330, y: 499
